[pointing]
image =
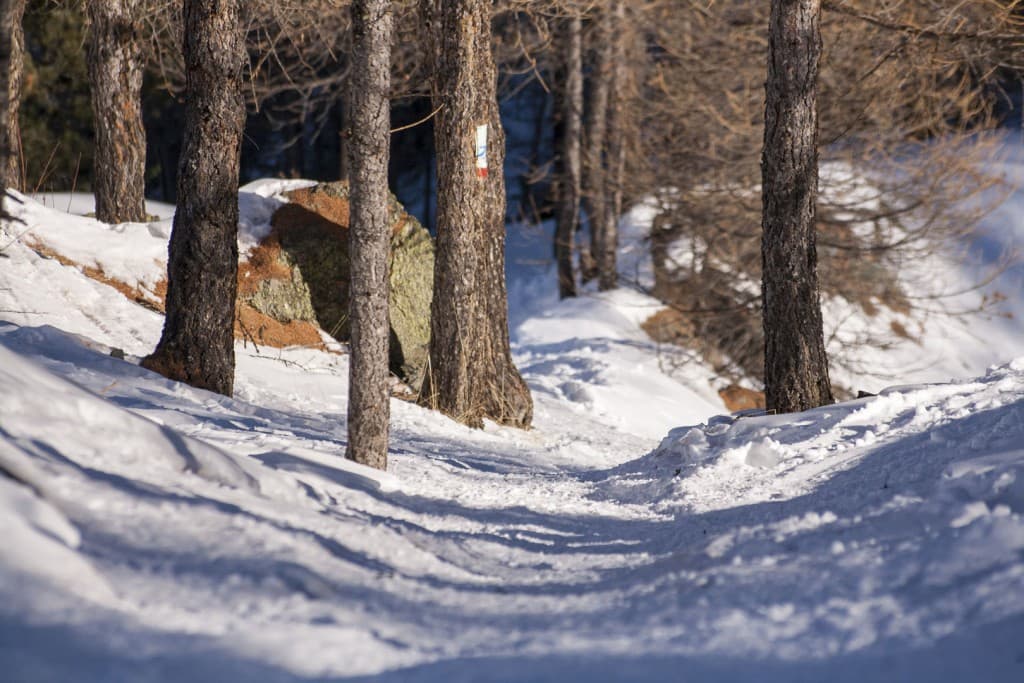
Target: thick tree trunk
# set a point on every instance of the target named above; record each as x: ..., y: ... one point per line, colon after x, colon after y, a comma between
x: 596, y: 136
x: 12, y: 168
x: 197, y: 345
x: 795, y: 369
x: 114, y: 57
x: 5, y: 62
x: 607, y: 250
x: 571, y: 101
x: 471, y: 374
x: 369, y: 234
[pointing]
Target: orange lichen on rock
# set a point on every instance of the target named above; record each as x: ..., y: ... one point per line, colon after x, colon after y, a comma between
x: 262, y: 263
x: 329, y: 202
x: 332, y: 208
x: 262, y: 330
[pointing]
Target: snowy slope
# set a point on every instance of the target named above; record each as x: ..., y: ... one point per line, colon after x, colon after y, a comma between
x: 155, y: 532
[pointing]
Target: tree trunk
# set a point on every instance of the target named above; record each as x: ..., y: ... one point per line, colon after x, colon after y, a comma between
x: 571, y: 101
x: 12, y: 168
x: 607, y: 250
x: 114, y: 56
x: 795, y: 369
x: 471, y: 374
x: 197, y: 345
x: 369, y: 234
x: 596, y: 136
x: 5, y: 62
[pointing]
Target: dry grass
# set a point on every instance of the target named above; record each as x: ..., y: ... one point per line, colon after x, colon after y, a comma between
x: 151, y: 299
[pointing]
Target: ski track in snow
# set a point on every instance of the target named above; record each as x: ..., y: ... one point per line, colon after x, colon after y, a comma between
x: 163, y: 533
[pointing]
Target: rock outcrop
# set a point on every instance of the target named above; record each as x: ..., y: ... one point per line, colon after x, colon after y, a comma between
x: 300, y: 273
x: 295, y: 281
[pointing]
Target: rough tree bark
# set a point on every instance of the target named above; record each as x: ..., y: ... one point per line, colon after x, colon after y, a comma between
x: 796, y: 369
x: 12, y: 168
x: 607, y: 250
x: 471, y: 374
x: 369, y: 234
x: 5, y: 62
x: 197, y: 345
x: 594, y: 186
x: 115, y: 61
x: 571, y: 101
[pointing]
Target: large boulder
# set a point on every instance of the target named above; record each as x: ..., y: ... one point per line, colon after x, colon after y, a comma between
x: 300, y: 272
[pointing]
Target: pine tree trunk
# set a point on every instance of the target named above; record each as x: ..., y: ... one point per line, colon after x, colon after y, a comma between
x: 12, y: 168
x: 471, y: 374
x: 114, y: 56
x: 796, y: 369
x: 571, y: 101
x: 5, y: 61
x: 197, y: 345
x: 369, y: 234
x: 596, y: 136
x: 607, y: 250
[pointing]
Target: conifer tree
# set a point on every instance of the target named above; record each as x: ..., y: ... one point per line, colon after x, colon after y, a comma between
x: 115, y: 79
x: 795, y: 368
x: 11, y: 14
x: 197, y: 344
x: 470, y: 375
x: 369, y: 234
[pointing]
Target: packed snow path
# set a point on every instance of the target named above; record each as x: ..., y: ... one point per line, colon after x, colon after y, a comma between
x: 154, y: 532
x: 175, y: 533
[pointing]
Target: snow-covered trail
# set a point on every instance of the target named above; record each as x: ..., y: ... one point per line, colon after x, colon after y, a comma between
x: 224, y: 539
x: 163, y: 533
x: 463, y: 517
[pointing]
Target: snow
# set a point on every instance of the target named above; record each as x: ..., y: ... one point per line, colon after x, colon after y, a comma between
x: 257, y: 202
x: 157, y: 532
x: 82, y: 203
